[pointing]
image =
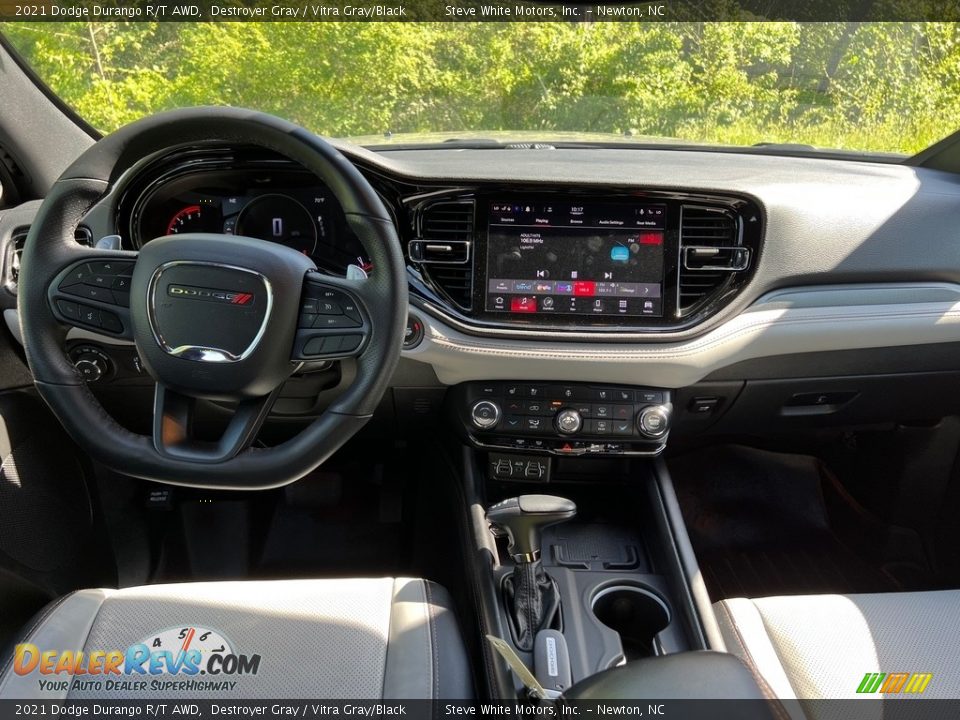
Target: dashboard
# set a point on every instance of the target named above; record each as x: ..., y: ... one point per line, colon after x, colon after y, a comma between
x: 686, y: 270
x: 492, y: 258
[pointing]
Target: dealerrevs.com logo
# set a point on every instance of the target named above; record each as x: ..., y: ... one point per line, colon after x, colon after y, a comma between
x: 186, y: 652
x: 193, y: 292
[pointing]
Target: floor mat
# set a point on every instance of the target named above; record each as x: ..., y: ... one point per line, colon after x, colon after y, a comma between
x: 344, y: 523
x: 765, y: 523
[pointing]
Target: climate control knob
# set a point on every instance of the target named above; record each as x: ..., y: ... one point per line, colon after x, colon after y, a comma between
x: 485, y: 414
x: 568, y: 421
x: 654, y: 421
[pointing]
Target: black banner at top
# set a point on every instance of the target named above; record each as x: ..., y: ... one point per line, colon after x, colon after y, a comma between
x: 477, y: 11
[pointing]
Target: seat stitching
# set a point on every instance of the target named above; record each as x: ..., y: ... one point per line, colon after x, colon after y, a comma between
x: 750, y: 663
x: 434, y: 662
x: 386, y: 648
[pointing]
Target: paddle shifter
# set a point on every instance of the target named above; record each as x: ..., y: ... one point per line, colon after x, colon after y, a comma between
x: 532, y: 598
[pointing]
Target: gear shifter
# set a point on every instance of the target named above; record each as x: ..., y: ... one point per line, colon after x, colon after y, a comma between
x: 532, y: 598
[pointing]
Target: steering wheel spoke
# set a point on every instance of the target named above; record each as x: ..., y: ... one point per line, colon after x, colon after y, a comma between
x: 174, y: 432
x: 334, y: 322
x: 93, y: 293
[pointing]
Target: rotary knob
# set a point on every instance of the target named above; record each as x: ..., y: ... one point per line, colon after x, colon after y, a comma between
x: 485, y: 414
x: 568, y: 421
x: 90, y: 369
x: 654, y: 421
x: 91, y: 363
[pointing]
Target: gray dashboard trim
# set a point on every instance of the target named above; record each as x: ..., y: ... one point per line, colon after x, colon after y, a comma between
x: 781, y: 323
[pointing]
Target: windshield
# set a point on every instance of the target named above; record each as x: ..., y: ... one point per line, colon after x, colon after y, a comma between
x: 876, y: 87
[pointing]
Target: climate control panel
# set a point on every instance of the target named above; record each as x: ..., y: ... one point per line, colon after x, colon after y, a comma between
x: 564, y: 419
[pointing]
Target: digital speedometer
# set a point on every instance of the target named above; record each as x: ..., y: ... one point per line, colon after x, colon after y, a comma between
x: 280, y: 219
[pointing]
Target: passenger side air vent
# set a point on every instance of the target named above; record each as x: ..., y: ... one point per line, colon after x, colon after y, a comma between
x: 17, y: 240
x: 711, y: 253
x: 444, y: 249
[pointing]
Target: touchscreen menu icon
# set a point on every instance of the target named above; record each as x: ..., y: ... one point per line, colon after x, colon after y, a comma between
x: 523, y: 304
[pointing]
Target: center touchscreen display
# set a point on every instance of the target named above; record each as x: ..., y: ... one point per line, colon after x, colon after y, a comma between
x: 564, y: 258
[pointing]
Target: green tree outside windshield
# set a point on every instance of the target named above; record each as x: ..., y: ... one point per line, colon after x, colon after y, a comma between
x: 877, y: 86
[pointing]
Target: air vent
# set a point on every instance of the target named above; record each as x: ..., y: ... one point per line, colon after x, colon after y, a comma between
x: 710, y: 253
x: 444, y: 249
x: 19, y: 238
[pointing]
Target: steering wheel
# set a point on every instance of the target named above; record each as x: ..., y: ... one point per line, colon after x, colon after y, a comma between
x: 218, y: 317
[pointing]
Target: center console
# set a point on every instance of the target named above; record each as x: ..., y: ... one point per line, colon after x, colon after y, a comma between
x: 582, y: 560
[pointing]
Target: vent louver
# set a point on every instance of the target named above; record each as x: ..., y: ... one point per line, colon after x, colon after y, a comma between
x: 19, y: 237
x: 703, y: 270
x: 444, y: 249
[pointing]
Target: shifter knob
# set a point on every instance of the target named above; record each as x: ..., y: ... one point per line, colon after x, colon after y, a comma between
x: 524, y: 518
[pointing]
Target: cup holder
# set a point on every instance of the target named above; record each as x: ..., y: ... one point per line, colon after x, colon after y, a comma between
x: 636, y: 613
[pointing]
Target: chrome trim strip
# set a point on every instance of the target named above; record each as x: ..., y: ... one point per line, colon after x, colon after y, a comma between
x: 200, y: 353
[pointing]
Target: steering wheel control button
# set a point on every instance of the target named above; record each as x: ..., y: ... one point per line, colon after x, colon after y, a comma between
x: 335, y: 321
x: 89, y: 316
x: 326, y: 307
x: 325, y: 310
x: 109, y: 321
x: 485, y: 414
x: 101, y: 282
x: 568, y: 421
x: 653, y: 421
x: 69, y: 310
x: 90, y: 292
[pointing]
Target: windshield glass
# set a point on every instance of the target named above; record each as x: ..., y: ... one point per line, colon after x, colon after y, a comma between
x: 878, y: 87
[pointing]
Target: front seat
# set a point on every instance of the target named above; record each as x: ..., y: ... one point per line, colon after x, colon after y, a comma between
x: 817, y: 647
x: 392, y: 638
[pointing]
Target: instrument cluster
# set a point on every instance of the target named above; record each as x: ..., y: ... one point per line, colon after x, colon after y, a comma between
x: 283, y: 205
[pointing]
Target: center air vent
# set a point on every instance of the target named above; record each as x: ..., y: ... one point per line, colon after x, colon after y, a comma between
x: 444, y: 249
x: 711, y: 253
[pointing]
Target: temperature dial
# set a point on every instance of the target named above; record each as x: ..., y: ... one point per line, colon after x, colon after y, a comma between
x: 485, y: 414
x: 654, y: 421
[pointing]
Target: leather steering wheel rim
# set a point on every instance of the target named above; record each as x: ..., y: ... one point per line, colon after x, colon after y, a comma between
x: 50, y: 247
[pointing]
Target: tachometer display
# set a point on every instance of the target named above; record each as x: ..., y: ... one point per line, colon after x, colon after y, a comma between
x: 189, y: 219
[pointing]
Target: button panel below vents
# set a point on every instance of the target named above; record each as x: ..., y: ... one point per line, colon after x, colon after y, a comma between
x: 444, y: 249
